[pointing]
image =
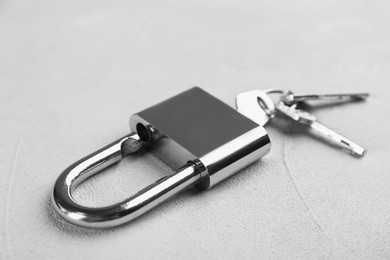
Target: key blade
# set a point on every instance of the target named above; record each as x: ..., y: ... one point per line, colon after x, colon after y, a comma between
x: 343, y: 141
x: 310, y: 120
x: 292, y: 98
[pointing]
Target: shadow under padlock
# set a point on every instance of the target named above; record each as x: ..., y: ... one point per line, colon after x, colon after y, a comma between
x: 199, y: 136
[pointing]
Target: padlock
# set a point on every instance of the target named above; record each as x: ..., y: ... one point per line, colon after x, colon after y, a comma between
x: 199, y: 136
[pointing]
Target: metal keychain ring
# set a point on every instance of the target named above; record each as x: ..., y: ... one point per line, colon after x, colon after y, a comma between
x: 284, y: 92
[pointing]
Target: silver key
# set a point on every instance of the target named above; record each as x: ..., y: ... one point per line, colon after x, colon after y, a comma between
x: 290, y: 98
x: 256, y: 105
x: 310, y: 120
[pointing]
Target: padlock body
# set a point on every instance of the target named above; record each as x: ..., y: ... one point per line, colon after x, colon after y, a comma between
x: 195, y: 126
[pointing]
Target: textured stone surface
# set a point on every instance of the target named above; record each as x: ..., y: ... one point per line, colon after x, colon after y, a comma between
x: 72, y: 72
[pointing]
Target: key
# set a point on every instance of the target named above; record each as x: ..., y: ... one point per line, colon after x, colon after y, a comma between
x: 290, y: 98
x: 256, y: 105
x: 306, y: 118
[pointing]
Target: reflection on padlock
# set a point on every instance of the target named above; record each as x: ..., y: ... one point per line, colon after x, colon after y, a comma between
x: 200, y: 137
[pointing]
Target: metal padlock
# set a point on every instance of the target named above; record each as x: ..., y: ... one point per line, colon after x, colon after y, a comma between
x: 199, y: 136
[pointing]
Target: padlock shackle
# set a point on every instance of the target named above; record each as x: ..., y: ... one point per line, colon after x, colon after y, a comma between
x: 122, y: 212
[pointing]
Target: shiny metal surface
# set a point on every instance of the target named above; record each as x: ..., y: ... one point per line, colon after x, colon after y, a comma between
x: 122, y: 212
x: 195, y: 125
x: 260, y: 107
x: 291, y: 98
x: 306, y: 118
x: 235, y: 155
x: 207, y: 139
x: 256, y: 105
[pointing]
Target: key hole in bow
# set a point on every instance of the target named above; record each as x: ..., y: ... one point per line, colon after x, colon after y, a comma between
x: 264, y: 106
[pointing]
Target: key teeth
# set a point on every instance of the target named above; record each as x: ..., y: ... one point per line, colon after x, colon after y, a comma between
x: 355, y: 149
x: 359, y: 151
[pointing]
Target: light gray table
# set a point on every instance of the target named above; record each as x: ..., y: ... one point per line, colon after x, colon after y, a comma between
x: 72, y: 72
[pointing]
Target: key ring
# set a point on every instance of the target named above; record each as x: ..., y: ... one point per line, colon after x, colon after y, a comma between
x: 283, y: 94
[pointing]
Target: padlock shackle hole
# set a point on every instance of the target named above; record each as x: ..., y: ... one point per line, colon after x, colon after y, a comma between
x: 144, y: 132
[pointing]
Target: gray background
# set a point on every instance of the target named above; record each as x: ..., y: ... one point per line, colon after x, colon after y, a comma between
x: 72, y: 72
